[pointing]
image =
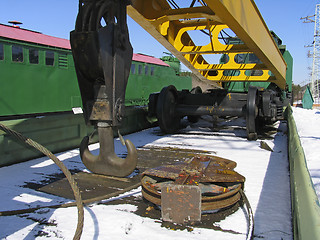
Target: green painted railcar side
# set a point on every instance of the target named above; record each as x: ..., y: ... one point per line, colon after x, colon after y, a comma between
x: 28, y: 88
x: 244, y: 86
x: 251, y: 58
x: 289, y: 60
x: 59, y: 133
x: 37, y: 88
x: 142, y: 83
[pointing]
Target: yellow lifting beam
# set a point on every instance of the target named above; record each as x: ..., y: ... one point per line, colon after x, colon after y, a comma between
x: 173, y: 27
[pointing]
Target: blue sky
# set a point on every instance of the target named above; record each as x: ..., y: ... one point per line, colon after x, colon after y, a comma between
x: 57, y: 17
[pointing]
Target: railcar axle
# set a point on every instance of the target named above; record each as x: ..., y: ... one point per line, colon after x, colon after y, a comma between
x: 258, y: 106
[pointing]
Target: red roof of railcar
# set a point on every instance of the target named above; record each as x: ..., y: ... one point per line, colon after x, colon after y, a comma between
x: 33, y: 37
x: 39, y: 38
x: 148, y: 59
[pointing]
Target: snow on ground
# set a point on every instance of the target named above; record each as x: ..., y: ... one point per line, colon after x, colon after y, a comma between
x: 308, y: 125
x: 267, y: 188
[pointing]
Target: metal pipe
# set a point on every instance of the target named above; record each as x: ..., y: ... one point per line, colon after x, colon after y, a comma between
x: 195, y: 110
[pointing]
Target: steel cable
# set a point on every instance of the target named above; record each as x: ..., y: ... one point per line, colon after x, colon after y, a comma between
x: 250, y: 234
x: 64, y: 169
x: 70, y: 204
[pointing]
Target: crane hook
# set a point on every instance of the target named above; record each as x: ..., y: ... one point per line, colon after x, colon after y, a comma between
x: 107, y: 162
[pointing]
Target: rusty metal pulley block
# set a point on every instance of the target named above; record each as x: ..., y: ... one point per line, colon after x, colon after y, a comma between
x: 184, y: 190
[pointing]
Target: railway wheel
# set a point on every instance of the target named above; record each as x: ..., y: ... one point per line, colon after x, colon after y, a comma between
x: 252, y: 113
x: 169, y: 122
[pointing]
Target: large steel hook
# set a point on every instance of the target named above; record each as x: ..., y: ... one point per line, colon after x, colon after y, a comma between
x: 107, y: 162
x: 102, y: 55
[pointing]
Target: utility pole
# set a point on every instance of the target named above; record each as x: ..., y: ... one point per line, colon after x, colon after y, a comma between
x: 315, y: 74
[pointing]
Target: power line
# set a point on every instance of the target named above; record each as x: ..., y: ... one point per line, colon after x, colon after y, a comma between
x: 308, y: 19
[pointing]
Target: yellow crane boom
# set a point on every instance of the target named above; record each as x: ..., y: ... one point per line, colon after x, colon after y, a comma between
x: 172, y: 28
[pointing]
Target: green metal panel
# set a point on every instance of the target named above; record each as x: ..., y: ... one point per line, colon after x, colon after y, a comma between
x: 58, y: 133
x: 307, y: 100
x: 305, y: 203
x: 250, y: 58
x: 289, y: 60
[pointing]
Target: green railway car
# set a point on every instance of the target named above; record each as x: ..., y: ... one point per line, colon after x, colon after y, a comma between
x: 38, y: 75
x: 38, y: 78
x: 251, y: 58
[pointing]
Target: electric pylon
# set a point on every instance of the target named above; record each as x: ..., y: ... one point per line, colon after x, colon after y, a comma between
x: 315, y: 74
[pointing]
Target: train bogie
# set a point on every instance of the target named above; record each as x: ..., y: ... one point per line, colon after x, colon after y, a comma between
x: 258, y: 106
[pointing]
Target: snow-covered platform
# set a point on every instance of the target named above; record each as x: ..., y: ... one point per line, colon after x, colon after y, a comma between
x: 267, y: 188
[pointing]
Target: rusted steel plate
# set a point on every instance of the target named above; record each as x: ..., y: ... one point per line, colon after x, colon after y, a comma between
x: 181, y: 203
x: 90, y: 185
x: 218, y: 170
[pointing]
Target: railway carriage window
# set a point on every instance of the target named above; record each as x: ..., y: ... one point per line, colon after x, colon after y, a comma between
x: 140, y: 69
x: 33, y: 56
x: 49, y: 58
x: 17, y: 53
x: 146, y: 69
x: 1, y: 52
x: 133, y: 68
x: 152, y: 71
